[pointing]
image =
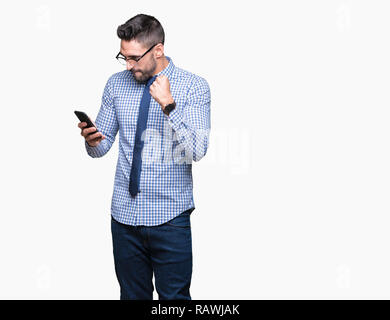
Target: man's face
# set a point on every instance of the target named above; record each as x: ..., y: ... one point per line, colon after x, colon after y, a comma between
x: 144, y: 68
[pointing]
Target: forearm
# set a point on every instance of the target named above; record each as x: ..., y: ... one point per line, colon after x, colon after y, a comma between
x: 106, y: 122
x: 193, y: 141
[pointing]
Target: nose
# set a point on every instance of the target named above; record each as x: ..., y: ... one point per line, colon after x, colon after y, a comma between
x: 129, y: 65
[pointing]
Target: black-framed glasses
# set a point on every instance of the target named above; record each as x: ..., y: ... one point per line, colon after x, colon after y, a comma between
x: 123, y: 60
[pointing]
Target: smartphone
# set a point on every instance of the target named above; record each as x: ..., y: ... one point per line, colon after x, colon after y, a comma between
x: 84, y: 118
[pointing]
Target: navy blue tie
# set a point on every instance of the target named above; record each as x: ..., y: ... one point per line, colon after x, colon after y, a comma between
x: 138, y: 143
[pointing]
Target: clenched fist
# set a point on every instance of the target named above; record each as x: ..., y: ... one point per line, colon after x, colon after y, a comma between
x: 160, y: 90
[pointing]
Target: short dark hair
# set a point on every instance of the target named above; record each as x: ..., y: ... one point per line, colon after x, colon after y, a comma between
x: 143, y: 28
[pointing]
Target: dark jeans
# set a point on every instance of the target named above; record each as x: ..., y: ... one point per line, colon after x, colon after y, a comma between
x: 165, y: 249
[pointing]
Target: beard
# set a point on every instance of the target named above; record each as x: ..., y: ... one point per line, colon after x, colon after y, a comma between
x: 142, y: 76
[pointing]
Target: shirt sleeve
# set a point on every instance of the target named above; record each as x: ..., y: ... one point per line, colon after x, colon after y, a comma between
x: 106, y: 122
x: 191, y: 122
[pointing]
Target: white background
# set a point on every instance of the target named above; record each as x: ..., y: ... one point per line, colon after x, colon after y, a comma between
x: 292, y: 198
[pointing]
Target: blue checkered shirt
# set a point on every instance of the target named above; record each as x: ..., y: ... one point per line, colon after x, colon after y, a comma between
x: 171, y: 143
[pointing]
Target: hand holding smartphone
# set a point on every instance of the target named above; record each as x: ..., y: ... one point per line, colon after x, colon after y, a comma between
x: 88, y: 129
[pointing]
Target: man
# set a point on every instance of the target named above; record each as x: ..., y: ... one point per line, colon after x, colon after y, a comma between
x: 162, y: 113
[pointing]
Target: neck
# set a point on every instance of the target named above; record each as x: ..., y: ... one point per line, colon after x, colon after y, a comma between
x: 161, y: 65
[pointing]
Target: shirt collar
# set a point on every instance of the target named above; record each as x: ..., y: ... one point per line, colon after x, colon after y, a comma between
x: 167, y: 71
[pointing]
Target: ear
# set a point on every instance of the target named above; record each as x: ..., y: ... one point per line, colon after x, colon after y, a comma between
x: 159, y: 51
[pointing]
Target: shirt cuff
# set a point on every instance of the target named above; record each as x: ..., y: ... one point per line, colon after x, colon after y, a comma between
x: 175, y: 118
x: 97, y: 151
